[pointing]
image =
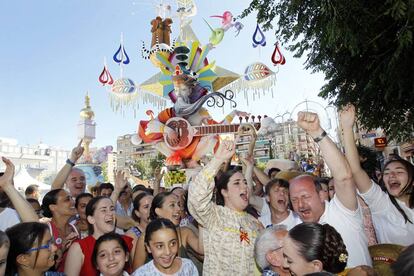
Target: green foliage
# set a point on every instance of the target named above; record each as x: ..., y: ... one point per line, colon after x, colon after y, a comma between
x: 261, y: 165
x: 147, y: 166
x: 364, y: 48
x: 104, y: 167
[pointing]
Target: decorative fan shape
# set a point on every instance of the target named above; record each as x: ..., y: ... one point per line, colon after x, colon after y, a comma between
x: 124, y: 86
x: 257, y: 71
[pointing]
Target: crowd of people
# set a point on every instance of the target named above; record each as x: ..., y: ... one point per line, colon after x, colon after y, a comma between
x: 232, y: 220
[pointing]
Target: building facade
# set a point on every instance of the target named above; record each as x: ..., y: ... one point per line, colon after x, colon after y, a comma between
x: 127, y: 152
x: 41, y: 161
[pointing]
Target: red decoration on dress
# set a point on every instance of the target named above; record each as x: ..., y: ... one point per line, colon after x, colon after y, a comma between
x: 244, y: 236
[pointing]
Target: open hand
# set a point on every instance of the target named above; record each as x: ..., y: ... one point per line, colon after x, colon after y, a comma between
x: 7, y: 177
x: 347, y: 116
x: 120, y: 180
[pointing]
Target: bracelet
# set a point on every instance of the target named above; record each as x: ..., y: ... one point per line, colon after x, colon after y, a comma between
x: 70, y: 162
x: 320, y: 137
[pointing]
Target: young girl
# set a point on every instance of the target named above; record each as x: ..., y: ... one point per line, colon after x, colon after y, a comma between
x: 165, y: 205
x: 32, y: 251
x: 161, y: 241
x: 4, y: 249
x: 110, y: 255
x: 100, y: 213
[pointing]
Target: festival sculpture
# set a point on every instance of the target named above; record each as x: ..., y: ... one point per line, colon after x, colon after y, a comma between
x: 185, y: 132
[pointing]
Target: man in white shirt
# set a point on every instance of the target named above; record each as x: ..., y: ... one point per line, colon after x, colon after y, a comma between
x: 73, y: 177
x: 342, y: 212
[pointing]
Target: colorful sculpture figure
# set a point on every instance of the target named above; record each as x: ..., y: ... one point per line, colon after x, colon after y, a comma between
x: 181, y: 132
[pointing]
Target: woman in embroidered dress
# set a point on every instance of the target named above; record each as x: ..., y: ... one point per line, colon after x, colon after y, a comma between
x: 60, y: 207
x: 32, y: 250
x: 110, y: 255
x: 230, y: 231
x: 165, y: 205
x: 100, y: 213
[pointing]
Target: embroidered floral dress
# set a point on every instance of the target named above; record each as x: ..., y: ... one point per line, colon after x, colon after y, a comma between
x: 228, y: 235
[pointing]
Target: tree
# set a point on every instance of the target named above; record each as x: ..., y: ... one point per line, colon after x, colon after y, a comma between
x: 147, y: 167
x: 365, y: 49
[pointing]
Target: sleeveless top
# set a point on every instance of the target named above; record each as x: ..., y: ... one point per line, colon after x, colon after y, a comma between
x: 54, y: 231
x: 87, y: 244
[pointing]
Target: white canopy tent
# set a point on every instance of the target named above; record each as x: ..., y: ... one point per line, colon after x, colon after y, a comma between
x: 22, y: 179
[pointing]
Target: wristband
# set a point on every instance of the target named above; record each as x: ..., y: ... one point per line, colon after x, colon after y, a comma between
x: 320, y: 137
x: 70, y: 162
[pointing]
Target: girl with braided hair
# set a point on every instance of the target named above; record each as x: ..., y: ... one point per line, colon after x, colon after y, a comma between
x: 313, y: 247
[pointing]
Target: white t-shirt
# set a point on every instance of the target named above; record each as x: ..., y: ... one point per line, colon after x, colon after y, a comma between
x: 266, y: 218
x: 8, y: 218
x: 389, y: 224
x: 350, y: 225
x: 149, y: 269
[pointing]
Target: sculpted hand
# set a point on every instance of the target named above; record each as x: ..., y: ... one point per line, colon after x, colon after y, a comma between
x: 76, y: 152
x: 309, y: 122
x: 347, y: 116
x: 7, y: 177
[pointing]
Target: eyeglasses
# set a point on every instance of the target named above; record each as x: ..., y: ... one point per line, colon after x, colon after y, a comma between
x: 46, y: 246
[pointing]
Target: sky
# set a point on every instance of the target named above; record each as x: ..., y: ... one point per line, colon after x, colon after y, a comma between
x: 52, y: 54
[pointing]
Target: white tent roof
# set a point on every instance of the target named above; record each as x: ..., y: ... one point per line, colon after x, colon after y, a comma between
x: 22, y: 179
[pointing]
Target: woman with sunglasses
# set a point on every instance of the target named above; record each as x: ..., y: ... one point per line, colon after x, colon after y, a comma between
x: 32, y: 251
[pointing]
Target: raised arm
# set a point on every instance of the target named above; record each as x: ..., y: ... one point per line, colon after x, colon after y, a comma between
x: 157, y: 181
x: 194, y: 241
x: 347, y: 119
x: 22, y: 207
x: 120, y: 183
x: 74, y: 260
x: 341, y: 172
x: 140, y: 254
x: 201, y: 190
x: 63, y: 174
x: 263, y: 178
x: 254, y: 200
